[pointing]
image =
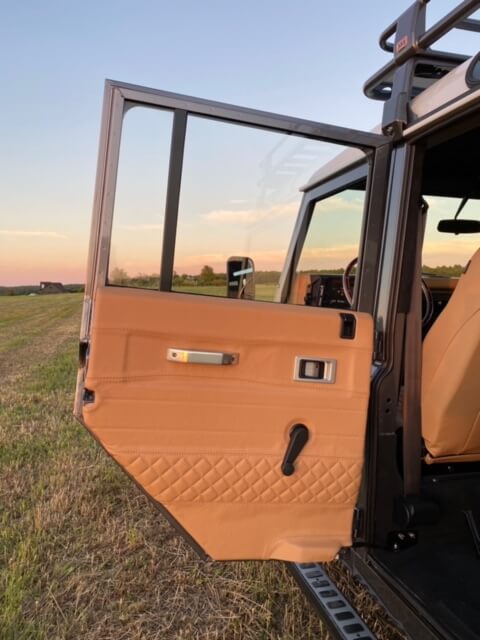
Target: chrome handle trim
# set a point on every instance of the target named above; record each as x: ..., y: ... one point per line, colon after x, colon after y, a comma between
x: 329, y: 370
x: 190, y: 356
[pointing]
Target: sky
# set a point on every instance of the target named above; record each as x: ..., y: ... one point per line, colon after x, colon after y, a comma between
x: 307, y: 59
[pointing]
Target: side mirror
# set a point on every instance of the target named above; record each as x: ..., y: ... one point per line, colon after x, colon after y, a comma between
x: 240, y: 278
x: 458, y: 226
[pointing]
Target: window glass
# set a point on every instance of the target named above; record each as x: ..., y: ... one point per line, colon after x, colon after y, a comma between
x: 240, y: 196
x: 331, y: 243
x: 139, y: 210
x: 445, y: 254
x: 333, y: 237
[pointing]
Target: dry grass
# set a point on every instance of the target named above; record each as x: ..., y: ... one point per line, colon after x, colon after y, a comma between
x: 82, y: 552
x: 369, y: 609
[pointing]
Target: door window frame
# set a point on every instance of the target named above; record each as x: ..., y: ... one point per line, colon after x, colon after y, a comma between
x: 119, y: 97
x: 375, y: 170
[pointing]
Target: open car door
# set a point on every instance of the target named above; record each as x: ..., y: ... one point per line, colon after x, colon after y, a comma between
x: 244, y: 419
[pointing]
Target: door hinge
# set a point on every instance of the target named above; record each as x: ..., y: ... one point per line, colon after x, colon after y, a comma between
x: 378, y: 345
x: 83, y: 352
x: 401, y: 540
x: 357, y: 525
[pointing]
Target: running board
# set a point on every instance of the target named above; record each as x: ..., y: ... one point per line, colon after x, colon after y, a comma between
x: 339, y: 615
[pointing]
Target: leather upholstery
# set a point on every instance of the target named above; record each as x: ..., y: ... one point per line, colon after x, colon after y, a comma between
x: 301, y: 282
x: 451, y: 375
x: 208, y: 441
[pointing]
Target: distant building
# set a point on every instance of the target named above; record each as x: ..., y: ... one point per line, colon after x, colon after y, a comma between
x: 52, y: 287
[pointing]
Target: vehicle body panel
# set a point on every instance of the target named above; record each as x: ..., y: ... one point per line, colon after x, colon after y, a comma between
x: 207, y: 442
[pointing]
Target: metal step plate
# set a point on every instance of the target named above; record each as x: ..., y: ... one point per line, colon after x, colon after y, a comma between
x: 339, y: 615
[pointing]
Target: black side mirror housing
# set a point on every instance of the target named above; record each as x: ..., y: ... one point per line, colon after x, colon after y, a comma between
x: 241, y: 278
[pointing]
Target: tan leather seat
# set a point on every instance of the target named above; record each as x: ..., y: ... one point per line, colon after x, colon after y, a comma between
x: 299, y: 290
x: 451, y: 375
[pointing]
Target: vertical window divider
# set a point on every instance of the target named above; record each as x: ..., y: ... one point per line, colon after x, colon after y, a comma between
x: 177, y: 148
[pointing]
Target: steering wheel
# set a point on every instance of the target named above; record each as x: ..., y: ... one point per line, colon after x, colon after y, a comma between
x: 346, y: 284
x: 427, y: 306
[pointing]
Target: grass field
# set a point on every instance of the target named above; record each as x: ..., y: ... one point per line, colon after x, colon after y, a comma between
x: 82, y: 553
x: 265, y: 292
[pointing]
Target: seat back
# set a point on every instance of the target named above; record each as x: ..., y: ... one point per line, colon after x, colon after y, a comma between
x: 451, y: 374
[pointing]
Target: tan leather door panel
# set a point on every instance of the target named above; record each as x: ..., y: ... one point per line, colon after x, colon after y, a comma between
x: 207, y: 441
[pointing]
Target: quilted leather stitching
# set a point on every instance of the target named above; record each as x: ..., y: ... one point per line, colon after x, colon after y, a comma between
x: 234, y: 479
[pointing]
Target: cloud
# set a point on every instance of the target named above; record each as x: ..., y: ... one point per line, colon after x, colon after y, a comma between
x: 284, y: 210
x: 457, y: 252
x: 337, y: 203
x: 140, y: 227
x: 274, y: 259
x: 187, y: 262
x: 327, y: 257
x: 250, y: 216
x: 21, y: 233
x: 339, y: 250
x: 264, y: 259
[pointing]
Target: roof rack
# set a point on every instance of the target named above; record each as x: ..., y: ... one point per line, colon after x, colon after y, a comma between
x: 415, y: 66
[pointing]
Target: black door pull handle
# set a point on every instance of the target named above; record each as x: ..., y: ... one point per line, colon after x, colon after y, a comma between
x: 298, y: 439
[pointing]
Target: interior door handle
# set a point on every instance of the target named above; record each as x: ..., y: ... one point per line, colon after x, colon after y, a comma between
x: 188, y: 356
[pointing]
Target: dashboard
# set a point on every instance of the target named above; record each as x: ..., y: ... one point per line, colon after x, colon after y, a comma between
x: 326, y: 290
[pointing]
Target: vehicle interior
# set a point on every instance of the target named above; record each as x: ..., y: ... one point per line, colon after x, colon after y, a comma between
x: 440, y: 569
x: 430, y: 556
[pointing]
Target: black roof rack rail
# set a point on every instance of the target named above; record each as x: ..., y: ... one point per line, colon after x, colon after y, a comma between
x: 415, y: 66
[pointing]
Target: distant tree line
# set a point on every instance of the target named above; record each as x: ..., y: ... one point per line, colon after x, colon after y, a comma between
x: 452, y: 271
x: 25, y: 290
x: 208, y: 276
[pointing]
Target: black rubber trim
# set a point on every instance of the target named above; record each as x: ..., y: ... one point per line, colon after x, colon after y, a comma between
x: 473, y: 81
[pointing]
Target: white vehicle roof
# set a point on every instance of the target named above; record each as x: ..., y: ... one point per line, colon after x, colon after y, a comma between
x: 441, y: 94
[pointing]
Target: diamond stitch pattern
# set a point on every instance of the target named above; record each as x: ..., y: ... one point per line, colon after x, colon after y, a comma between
x: 234, y: 479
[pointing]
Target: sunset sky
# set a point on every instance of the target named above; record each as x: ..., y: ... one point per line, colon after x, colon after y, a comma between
x: 308, y: 59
